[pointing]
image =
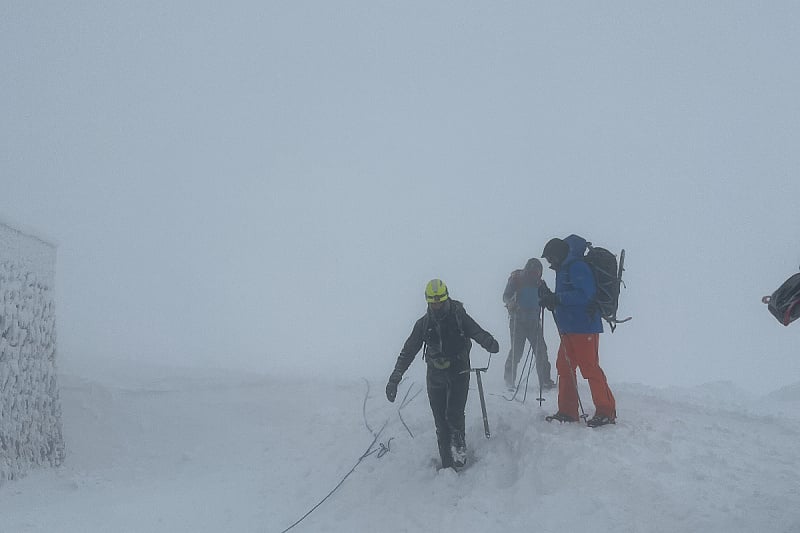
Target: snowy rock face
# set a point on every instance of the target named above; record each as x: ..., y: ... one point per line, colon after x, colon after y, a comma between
x: 30, y: 408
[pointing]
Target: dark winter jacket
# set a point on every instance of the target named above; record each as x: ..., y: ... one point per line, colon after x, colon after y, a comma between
x: 575, y: 288
x: 523, y: 290
x: 447, y: 337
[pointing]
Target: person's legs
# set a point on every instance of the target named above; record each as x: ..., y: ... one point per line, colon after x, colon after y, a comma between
x: 437, y: 396
x: 456, y: 404
x: 567, y: 391
x: 535, y: 337
x: 587, y: 358
x: 515, y: 353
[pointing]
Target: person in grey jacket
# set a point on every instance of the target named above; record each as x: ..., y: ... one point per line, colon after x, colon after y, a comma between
x: 445, y: 330
x: 521, y: 297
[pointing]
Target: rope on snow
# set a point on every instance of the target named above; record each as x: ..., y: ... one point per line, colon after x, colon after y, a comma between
x: 380, y: 451
x: 366, y: 454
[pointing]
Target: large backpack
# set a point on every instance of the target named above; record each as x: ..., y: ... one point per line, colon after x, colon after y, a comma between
x: 608, y: 278
x: 784, y: 303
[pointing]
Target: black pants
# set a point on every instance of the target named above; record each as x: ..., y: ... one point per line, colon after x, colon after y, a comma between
x: 447, y: 393
x: 526, y: 328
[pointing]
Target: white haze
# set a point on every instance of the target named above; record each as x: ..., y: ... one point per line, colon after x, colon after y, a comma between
x: 269, y: 185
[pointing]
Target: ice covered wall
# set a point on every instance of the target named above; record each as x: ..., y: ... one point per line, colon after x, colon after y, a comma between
x: 30, y: 409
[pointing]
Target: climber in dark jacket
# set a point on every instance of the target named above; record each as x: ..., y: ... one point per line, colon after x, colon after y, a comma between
x: 445, y: 330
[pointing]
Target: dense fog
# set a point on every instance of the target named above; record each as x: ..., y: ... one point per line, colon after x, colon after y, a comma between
x: 268, y: 186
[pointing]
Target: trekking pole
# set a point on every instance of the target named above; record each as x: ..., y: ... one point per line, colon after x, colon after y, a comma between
x: 514, y: 361
x: 540, y: 399
x: 571, y: 371
x: 575, y: 382
x: 521, y: 375
x: 528, y: 375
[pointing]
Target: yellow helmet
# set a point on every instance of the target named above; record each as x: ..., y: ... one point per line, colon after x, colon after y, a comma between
x: 435, y: 291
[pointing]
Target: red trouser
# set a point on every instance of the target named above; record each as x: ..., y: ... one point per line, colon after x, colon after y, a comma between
x: 579, y: 350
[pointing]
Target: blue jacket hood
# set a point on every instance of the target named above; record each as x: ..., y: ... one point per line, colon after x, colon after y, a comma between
x: 577, y: 247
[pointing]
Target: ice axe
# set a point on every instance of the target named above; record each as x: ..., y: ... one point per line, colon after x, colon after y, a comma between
x: 480, y: 394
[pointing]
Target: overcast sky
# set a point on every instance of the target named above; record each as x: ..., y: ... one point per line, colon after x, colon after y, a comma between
x: 271, y: 184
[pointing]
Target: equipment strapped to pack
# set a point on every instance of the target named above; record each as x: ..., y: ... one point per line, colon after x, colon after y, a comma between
x: 608, y: 279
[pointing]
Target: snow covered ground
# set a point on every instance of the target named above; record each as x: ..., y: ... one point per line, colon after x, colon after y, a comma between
x: 174, y: 450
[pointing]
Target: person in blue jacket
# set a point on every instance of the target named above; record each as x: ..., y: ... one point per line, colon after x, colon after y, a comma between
x: 579, y: 328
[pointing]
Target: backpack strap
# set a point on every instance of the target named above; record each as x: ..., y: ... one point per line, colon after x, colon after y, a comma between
x: 457, y: 310
x: 425, y: 321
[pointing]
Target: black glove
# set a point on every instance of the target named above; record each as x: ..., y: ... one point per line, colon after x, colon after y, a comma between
x: 549, y: 300
x: 391, y: 387
x: 544, y: 289
x: 494, y: 347
x: 391, y: 391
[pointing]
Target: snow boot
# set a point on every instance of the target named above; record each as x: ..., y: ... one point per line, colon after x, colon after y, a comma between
x: 458, y: 449
x: 561, y: 417
x: 600, y: 420
x: 548, y: 384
